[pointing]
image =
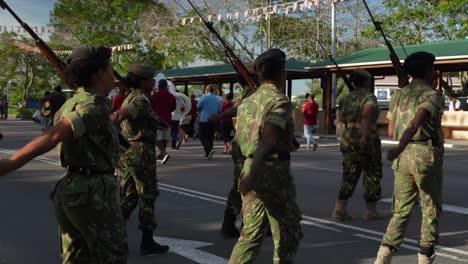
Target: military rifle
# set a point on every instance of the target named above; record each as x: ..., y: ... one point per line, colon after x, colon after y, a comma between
x: 232, y: 57
x: 43, y: 47
x: 58, y: 64
x: 402, y: 76
x: 340, y: 71
x: 53, y: 58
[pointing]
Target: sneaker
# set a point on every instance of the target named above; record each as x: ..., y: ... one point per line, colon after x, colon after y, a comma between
x: 315, y: 147
x: 159, y: 157
x: 177, y: 146
x: 165, y: 158
x: 210, y: 155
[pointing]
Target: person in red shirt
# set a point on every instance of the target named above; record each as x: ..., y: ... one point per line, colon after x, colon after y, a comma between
x: 118, y: 100
x: 226, y: 123
x: 310, y: 112
x: 163, y: 104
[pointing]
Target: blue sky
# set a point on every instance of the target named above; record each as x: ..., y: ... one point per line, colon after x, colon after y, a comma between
x: 33, y: 12
x: 36, y: 13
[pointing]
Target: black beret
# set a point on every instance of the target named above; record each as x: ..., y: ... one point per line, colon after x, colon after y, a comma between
x: 144, y: 71
x: 275, y: 56
x: 360, y: 74
x: 89, y: 52
x: 420, y: 56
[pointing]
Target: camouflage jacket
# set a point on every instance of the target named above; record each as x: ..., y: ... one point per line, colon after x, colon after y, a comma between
x: 266, y: 105
x: 352, y: 104
x: 405, y: 103
x: 95, y: 143
x: 143, y: 121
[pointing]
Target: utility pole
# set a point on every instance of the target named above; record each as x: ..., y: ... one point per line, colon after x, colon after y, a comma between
x: 333, y: 44
x: 269, y: 30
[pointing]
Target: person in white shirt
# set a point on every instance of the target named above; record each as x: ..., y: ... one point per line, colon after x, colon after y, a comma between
x: 455, y: 104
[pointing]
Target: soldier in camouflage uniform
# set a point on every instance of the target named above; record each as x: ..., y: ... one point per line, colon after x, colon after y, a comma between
x: 137, y: 166
x: 234, y: 201
x: 414, y: 120
x: 360, y: 146
x: 264, y: 127
x: 86, y: 206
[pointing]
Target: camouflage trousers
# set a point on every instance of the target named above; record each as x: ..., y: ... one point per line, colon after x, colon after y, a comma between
x: 418, y: 171
x: 367, y: 162
x: 272, y: 204
x: 234, y: 200
x: 92, y: 229
x: 138, y: 184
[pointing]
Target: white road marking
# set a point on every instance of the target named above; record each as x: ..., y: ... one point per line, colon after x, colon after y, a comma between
x: 413, y: 248
x: 188, y: 249
x: 325, y: 244
x: 453, y: 233
x: 305, y: 222
x: 194, y: 192
x: 316, y: 168
x: 221, y: 200
x: 445, y: 207
x: 192, y: 195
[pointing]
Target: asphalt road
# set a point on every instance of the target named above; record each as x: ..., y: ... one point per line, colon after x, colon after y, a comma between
x: 191, y: 204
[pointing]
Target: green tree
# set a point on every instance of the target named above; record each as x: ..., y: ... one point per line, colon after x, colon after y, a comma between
x: 25, y: 73
x: 91, y: 22
x: 416, y: 22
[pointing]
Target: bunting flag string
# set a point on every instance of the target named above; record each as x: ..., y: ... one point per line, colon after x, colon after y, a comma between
x: 240, y: 16
x: 62, y: 52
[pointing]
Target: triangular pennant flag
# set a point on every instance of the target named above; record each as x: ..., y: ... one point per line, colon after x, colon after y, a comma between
x: 209, y: 18
x: 228, y: 16
x: 191, y: 20
x: 184, y: 20
x: 294, y: 8
x: 265, y: 10
x: 218, y: 18
x: 246, y: 14
x: 236, y: 15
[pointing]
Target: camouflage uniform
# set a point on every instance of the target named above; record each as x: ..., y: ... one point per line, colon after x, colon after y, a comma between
x: 272, y: 201
x: 418, y: 169
x: 234, y: 200
x: 139, y: 185
x: 85, y: 199
x: 355, y: 160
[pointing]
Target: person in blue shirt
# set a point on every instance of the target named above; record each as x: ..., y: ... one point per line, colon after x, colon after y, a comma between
x: 208, y: 105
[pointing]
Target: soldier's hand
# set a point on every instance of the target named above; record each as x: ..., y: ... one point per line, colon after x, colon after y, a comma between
x: 245, y: 186
x: 214, y: 118
x: 393, y: 153
x: 6, y: 166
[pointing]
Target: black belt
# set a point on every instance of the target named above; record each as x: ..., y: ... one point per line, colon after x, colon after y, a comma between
x: 430, y: 142
x: 281, y: 156
x: 88, y: 171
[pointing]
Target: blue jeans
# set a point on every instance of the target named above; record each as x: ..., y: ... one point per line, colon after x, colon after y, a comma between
x: 309, y: 134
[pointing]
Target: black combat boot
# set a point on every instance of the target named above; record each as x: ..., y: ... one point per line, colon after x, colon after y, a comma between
x: 149, y: 247
x: 229, y: 229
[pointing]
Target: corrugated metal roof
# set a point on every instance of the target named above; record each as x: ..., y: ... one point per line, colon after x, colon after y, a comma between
x: 223, y: 69
x: 442, y: 50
